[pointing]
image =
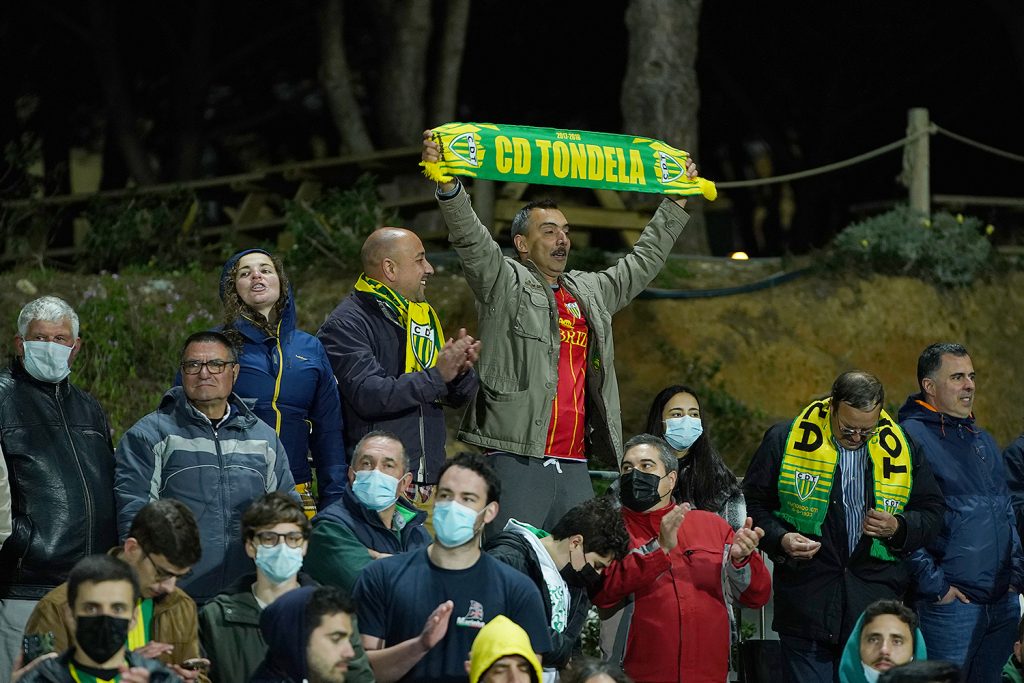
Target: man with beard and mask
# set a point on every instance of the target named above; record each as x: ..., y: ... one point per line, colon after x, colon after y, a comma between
x: 968, y: 578
x: 162, y: 546
x: 405, y: 636
x: 55, y: 442
x: 549, y: 396
x: 309, y: 634
x: 565, y: 565
x: 886, y: 636
x: 843, y: 497
x: 373, y: 518
x: 678, y: 584
x: 102, y: 595
x: 275, y: 530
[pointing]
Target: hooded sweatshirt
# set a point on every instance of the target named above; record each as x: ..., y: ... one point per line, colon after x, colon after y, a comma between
x: 500, y: 637
x: 851, y: 669
x: 290, y: 379
x: 283, y: 625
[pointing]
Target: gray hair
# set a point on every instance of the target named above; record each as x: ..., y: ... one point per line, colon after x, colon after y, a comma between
x: 50, y: 309
x: 860, y: 389
x: 668, y: 458
x: 382, y: 434
x: 930, y: 359
x: 522, y: 217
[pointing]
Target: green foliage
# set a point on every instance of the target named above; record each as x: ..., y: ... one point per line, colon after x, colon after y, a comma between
x: 735, y: 427
x: 946, y: 249
x: 141, y: 230
x: 590, y: 636
x: 589, y: 259
x: 335, y: 225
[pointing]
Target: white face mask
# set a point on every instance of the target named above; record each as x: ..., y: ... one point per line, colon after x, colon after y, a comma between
x: 46, y: 361
x: 870, y: 674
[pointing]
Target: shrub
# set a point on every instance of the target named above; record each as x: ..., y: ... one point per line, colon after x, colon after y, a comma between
x: 335, y: 225
x: 946, y: 249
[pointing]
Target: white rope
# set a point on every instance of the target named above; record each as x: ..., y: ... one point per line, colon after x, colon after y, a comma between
x: 979, y: 145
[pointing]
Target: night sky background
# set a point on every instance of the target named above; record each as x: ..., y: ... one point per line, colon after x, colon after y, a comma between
x: 812, y: 82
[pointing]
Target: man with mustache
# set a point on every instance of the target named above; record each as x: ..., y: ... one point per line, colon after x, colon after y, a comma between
x: 968, y: 577
x: 549, y: 397
x: 886, y: 636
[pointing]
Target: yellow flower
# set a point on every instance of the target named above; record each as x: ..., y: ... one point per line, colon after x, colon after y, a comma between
x: 926, y: 223
x: 959, y: 218
x: 989, y: 229
x: 864, y: 243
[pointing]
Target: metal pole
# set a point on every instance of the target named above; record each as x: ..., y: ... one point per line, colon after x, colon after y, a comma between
x: 920, y: 199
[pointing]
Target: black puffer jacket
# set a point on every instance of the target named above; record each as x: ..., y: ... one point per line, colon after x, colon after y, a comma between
x: 515, y: 551
x: 60, y: 461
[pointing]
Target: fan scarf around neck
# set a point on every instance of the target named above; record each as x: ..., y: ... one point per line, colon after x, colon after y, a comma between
x: 548, y: 156
x: 423, y: 334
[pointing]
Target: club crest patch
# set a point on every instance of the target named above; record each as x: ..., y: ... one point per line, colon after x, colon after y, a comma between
x: 474, y: 617
x: 574, y: 309
x: 805, y: 483
x: 423, y: 343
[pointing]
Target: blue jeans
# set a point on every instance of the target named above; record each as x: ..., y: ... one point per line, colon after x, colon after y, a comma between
x: 977, y: 637
x: 809, y: 661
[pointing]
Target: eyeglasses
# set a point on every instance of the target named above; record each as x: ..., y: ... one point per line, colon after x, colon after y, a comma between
x: 162, y: 573
x: 214, y: 367
x: 268, y: 539
x: 863, y: 433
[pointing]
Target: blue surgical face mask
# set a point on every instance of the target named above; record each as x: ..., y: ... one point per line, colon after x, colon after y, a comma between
x: 46, y: 361
x: 375, y: 489
x: 279, y: 562
x: 454, y: 523
x: 681, y: 432
x: 870, y: 674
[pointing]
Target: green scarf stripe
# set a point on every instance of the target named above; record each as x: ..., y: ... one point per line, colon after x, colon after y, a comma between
x: 573, y: 158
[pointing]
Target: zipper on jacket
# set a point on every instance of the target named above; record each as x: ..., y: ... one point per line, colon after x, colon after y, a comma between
x: 277, y: 384
x: 81, y: 471
x: 423, y: 450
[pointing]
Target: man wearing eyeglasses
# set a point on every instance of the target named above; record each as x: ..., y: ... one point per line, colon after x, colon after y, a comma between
x: 162, y: 546
x: 843, y: 497
x: 206, y: 448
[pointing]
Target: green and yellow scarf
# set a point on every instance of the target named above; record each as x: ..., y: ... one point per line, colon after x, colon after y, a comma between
x: 423, y: 334
x: 809, y: 463
x: 575, y: 158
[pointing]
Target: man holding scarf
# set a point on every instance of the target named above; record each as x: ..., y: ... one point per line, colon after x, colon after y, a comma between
x: 843, y: 496
x: 395, y: 370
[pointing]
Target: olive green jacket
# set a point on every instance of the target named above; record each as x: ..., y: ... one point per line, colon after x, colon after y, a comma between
x: 518, y: 324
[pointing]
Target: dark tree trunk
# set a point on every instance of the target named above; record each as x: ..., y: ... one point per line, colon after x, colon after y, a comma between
x: 337, y: 81
x: 191, y: 91
x: 448, y: 64
x: 399, y: 95
x: 660, y: 95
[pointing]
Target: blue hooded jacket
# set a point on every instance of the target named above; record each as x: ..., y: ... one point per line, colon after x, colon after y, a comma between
x: 978, y: 549
x: 851, y: 670
x: 283, y: 625
x: 291, y: 381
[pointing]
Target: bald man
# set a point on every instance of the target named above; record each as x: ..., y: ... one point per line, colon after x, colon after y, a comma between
x: 396, y: 371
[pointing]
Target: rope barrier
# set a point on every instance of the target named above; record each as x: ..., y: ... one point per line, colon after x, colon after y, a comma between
x: 973, y: 143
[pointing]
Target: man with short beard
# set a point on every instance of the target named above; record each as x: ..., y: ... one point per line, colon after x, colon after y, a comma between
x: 968, y: 578
x: 549, y: 397
x: 886, y: 636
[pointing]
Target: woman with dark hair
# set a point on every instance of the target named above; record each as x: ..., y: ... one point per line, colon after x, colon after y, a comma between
x: 591, y: 670
x: 286, y: 372
x: 704, y: 480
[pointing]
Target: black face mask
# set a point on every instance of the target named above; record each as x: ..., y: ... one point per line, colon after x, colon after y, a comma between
x: 101, y: 636
x: 587, y: 577
x: 639, y: 490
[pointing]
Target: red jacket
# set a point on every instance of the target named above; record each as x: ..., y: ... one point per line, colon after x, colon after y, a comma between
x: 678, y: 622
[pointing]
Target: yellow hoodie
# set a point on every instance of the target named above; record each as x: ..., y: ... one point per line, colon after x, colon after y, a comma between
x: 500, y: 637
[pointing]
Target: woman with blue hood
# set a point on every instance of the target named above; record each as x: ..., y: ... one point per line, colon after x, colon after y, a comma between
x: 885, y: 636
x: 286, y: 373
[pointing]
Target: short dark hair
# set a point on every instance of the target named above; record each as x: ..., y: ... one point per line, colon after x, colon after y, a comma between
x: 522, y: 217
x: 167, y: 527
x: 382, y: 434
x: 100, y: 568
x: 270, y: 509
x: 930, y: 359
x: 480, y: 464
x: 582, y: 669
x: 893, y: 607
x: 324, y: 602
x: 668, y: 458
x: 860, y: 389
x: 208, y: 336
x: 599, y: 521
x: 922, y: 671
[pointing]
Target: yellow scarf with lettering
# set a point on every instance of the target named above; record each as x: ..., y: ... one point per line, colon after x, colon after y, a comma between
x: 809, y: 463
x: 423, y: 334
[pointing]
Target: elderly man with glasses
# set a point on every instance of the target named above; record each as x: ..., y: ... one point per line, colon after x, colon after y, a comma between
x: 204, y: 447
x: 843, y: 496
x: 162, y: 546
